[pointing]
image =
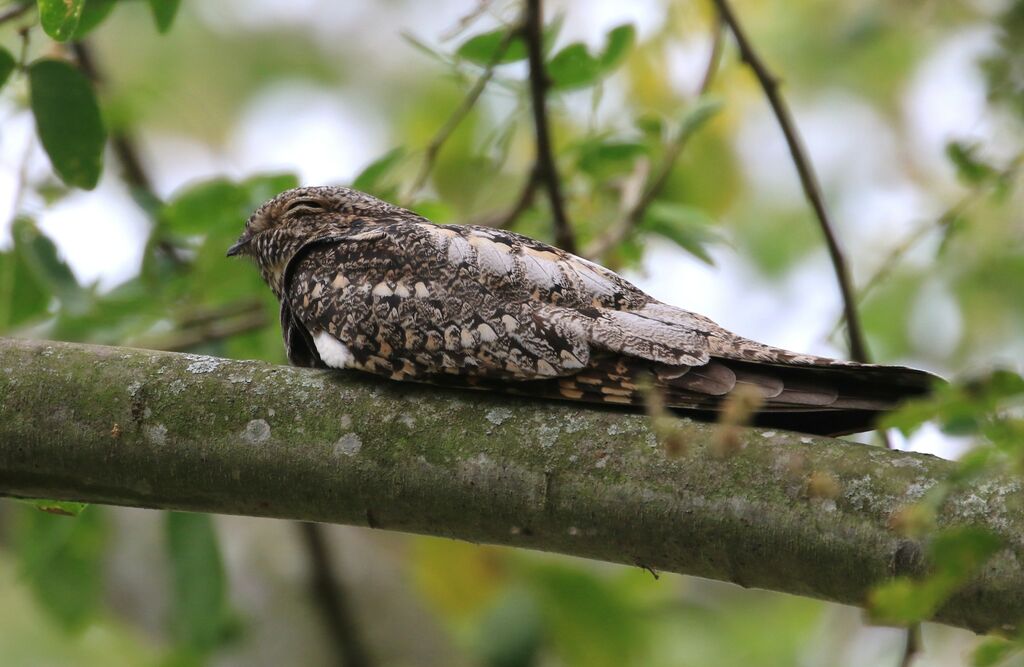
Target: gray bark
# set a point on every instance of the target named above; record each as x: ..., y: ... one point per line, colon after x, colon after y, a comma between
x: 153, y: 429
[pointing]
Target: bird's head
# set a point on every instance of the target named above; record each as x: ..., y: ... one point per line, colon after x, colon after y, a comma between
x: 282, y: 225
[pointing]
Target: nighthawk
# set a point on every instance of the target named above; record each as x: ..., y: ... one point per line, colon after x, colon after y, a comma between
x: 370, y: 286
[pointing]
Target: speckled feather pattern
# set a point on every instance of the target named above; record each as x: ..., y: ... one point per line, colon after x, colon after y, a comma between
x: 475, y: 306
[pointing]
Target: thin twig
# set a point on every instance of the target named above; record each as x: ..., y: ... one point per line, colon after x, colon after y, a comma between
x: 467, y: 104
x: 14, y: 12
x: 548, y: 172
x: 203, y: 315
x: 212, y: 332
x: 505, y: 219
x: 948, y: 217
x: 911, y: 645
x: 808, y: 179
x: 621, y: 230
x: 327, y: 591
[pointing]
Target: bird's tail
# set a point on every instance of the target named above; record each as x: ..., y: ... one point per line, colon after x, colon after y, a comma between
x: 824, y: 399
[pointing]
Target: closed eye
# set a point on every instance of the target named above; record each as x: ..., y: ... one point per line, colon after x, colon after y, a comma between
x: 304, y: 205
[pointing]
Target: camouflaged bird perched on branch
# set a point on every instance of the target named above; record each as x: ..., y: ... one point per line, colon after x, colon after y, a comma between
x: 370, y: 286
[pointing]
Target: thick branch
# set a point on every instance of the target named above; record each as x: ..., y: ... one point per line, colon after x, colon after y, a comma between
x: 157, y: 429
x: 808, y: 179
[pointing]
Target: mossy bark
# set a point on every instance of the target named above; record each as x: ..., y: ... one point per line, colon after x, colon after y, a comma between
x: 152, y: 429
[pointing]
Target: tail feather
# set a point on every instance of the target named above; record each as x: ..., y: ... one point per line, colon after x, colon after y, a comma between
x: 822, y: 399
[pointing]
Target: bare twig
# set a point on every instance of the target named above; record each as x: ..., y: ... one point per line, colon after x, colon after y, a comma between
x: 200, y: 316
x: 808, y: 179
x: 327, y: 591
x: 468, y: 102
x: 911, y: 645
x: 210, y: 332
x: 548, y: 171
x: 505, y: 219
x: 635, y: 215
x: 14, y: 12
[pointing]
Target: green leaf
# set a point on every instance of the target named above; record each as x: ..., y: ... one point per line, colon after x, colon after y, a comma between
x: 960, y: 409
x: 40, y: 256
x: 959, y: 552
x: 969, y: 167
x: 620, y: 41
x: 201, y: 619
x: 60, y: 18
x: 992, y: 651
x: 369, y: 179
x: 7, y: 65
x: 68, y: 121
x: 22, y: 298
x: 903, y: 601
x: 94, y: 13
x: 511, y: 632
x: 603, y: 159
x: 956, y: 554
x: 61, y: 559
x: 700, y: 113
x: 590, y: 620
x: 910, y: 416
x: 483, y: 49
x: 652, y: 126
x: 688, y: 227
x: 433, y: 210
x: 164, y: 12
x: 574, y: 67
x: 220, y: 206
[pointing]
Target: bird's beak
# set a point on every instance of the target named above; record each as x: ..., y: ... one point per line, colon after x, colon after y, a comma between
x: 240, y: 245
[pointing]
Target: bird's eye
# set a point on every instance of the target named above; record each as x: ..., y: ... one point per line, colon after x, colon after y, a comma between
x: 304, y: 204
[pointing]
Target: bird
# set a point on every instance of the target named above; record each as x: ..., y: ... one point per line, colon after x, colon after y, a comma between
x: 369, y: 286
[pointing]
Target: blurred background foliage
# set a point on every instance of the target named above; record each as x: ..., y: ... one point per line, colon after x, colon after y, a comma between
x: 912, y: 112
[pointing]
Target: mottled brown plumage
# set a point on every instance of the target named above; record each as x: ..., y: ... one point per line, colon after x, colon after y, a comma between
x: 373, y: 287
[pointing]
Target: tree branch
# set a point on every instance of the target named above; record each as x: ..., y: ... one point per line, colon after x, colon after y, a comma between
x: 808, y: 179
x: 185, y: 432
x: 547, y: 170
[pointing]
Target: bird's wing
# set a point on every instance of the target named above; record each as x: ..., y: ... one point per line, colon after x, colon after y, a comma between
x: 392, y: 301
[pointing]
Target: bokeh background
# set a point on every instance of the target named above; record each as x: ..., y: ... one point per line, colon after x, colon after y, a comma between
x: 911, y: 111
